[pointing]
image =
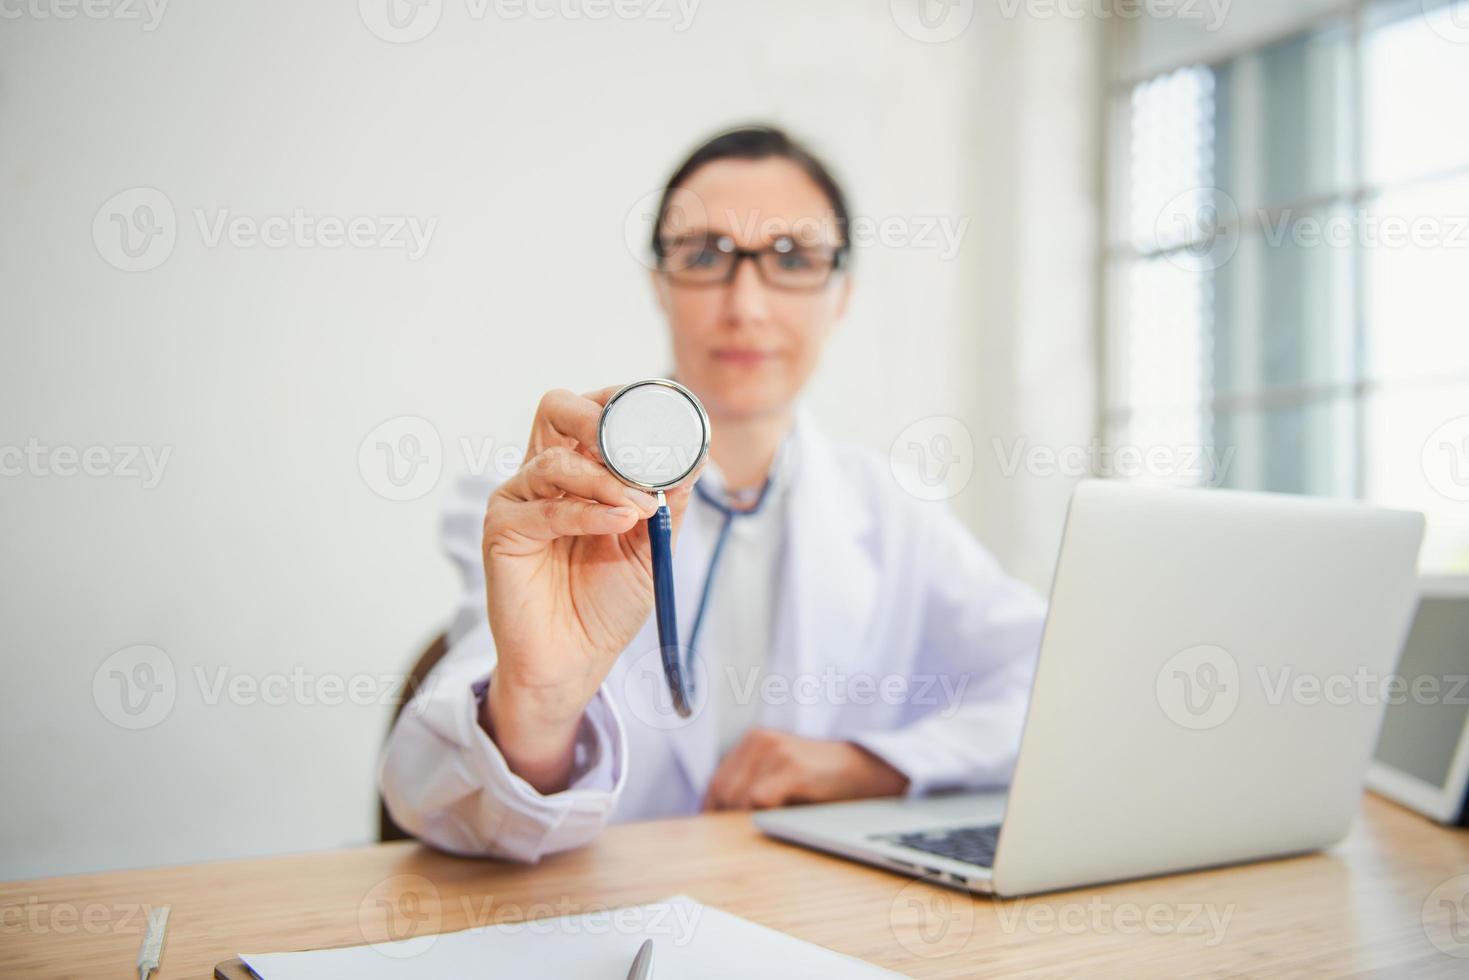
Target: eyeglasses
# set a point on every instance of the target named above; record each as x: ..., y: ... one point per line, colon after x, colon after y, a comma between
x: 713, y: 260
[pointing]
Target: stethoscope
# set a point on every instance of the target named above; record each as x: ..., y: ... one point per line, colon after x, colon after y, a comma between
x: 653, y: 435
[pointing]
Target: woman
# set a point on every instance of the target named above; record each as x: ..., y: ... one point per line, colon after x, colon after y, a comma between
x: 852, y: 641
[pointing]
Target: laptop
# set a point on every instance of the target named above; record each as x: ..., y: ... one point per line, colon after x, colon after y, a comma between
x: 1206, y: 694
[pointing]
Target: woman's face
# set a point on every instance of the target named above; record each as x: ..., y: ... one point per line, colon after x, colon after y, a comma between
x: 744, y: 347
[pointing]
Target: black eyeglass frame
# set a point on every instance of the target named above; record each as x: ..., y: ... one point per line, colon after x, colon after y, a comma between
x: 839, y: 258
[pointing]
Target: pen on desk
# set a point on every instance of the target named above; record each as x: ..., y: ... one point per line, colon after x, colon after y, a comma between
x: 152, y: 950
x: 642, y: 964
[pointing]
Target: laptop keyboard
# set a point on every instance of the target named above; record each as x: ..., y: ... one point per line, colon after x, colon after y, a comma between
x: 973, y: 845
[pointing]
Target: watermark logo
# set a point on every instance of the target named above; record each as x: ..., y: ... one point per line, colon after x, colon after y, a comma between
x: 402, y: 458
x: 401, y: 917
x: 1445, y: 916
x: 930, y: 920
x: 933, y: 459
x: 135, y: 687
x: 1199, y: 229
x: 1199, y: 687
x: 1445, y: 459
x: 645, y: 693
x: 401, y: 21
x: 932, y: 21
x: 1449, y: 21
x: 135, y: 230
x: 684, y: 214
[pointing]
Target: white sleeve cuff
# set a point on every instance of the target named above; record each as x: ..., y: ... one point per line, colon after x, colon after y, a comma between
x: 446, y: 781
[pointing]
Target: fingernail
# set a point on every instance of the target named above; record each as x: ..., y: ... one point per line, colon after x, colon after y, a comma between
x: 621, y: 512
x: 645, y: 501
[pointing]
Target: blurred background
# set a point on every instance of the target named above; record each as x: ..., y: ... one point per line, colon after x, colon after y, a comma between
x: 276, y: 274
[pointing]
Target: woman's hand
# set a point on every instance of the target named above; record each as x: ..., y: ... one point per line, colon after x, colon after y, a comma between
x: 568, y: 585
x: 770, y: 768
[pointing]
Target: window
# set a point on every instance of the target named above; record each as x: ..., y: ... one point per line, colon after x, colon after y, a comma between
x: 1288, y: 270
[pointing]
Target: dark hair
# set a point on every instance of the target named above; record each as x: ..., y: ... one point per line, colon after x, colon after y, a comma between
x: 756, y: 143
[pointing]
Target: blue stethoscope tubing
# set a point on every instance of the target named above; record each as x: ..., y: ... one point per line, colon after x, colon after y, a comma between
x: 676, y: 669
x: 660, y: 543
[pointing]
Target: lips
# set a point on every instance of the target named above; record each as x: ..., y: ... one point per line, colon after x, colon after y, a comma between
x: 744, y: 358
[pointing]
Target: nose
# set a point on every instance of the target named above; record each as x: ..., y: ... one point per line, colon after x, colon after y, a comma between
x: 746, y: 299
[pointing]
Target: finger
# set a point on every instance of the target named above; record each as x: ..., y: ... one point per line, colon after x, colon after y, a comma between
x: 744, y: 765
x: 567, y: 416
x: 603, y: 395
x: 549, y: 519
x: 737, y: 790
x: 717, y: 796
x: 772, y: 787
x: 558, y: 470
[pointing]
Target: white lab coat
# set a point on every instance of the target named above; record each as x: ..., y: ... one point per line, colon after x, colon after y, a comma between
x: 893, y: 628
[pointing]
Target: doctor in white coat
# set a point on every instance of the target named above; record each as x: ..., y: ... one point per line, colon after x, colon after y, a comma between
x: 852, y: 640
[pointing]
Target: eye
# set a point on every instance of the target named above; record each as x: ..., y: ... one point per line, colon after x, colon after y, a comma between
x: 794, y: 261
x: 703, y: 258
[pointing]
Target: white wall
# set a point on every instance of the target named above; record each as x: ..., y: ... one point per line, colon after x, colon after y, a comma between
x: 263, y: 551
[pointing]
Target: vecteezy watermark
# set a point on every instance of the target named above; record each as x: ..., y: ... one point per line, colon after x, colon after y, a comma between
x: 671, y: 922
x: 408, y: 233
x: 1445, y: 916
x: 645, y: 690
x: 147, y: 13
x: 940, y: 233
x: 1199, y: 229
x: 930, y: 920
x: 298, y: 686
x: 943, y: 694
x: 1449, y: 21
x: 1361, y: 686
x: 135, y: 687
x: 1445, y: 459
x: 685, y: 214
x: 406, y: 21
x: 137, y: 229
x: 402, y: 458
x: 138, y: 687
x: 933, y: 459
x: 1210, y: 13
x: 1363, y: 229
x: 401, y: 917
x: 1099, y: 916
x: 124, y: 462
x: 1199, y: 687
x: 36, y: 917
x: 1186, y: 463
x: 932, y: 21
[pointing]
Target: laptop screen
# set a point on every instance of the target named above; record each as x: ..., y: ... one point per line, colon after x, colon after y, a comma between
x: 1424, y: 718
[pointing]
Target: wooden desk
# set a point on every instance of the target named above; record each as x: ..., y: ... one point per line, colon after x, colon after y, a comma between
x: 1362, y: 909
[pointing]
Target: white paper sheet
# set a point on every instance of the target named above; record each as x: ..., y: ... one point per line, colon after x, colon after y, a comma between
x: 691, y: 942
